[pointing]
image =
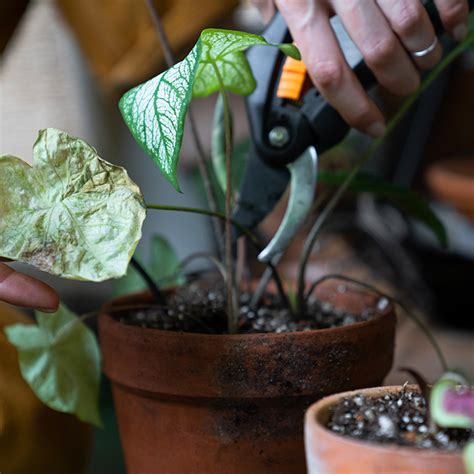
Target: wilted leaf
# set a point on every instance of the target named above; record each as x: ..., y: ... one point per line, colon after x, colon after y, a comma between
x: 405, y: 199
x: 155, y: 111
x: 60, y: 360
x: 71, y: 214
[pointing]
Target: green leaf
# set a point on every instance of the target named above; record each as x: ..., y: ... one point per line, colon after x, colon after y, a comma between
x: 155, y: 111
x: 164, y: 263
x: 71, y: 214
x: 60, y: 360
x: 131, y: 282
x: 468, y: 457
x: 222, y: 58
x: 218, y: 145
x: 405, y: 199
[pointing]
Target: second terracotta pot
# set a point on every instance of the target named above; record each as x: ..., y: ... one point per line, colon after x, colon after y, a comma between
x: 330, y: 453
x: 234, y: 404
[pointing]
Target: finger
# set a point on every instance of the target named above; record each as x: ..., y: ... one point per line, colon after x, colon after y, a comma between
x: 410, y: 21
x: 23, y: 290
x: 266, y: 9
x: 454, y: 14
x: 312, y: 33
x: 380, y: 47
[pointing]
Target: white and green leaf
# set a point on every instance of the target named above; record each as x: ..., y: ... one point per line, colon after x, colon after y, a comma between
x: 155, y: 111
x: 72, y: 213
x: 59, y: 358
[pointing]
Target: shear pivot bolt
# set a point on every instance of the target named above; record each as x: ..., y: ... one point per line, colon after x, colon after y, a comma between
x: 279, y: 136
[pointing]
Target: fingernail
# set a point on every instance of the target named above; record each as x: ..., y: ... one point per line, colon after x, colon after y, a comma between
x: 377, y: 129
x: 460, y: 32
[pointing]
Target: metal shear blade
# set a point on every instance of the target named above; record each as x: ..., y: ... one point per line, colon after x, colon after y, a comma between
x: 304, y: 173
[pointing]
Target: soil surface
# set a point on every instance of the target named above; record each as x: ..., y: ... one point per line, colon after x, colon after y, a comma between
x: 396, y: 419
x: 201, y: 308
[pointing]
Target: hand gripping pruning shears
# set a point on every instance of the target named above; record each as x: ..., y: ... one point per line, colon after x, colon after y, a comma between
x: 291, y: 123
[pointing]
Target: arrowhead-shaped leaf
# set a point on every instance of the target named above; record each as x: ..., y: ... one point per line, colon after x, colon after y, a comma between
x: 72, y: 213
x: 60, y: 360
x: 155, y: 111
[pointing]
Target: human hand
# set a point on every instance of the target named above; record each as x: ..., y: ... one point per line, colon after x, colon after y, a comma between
x: 387, y: 32
x: 23, y: 290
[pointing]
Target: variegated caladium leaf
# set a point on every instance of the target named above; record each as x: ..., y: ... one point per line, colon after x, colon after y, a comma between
x: 71, y: 214
x: 452, y: 402
x: 59, y: 358
x: 155, y: 111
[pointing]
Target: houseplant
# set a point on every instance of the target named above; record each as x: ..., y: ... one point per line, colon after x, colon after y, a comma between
x: 93, y: 235
x: 411, y: 431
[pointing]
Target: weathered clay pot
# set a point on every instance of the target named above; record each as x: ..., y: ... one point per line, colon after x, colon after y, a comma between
x: 330, y: 453
x: 198, y: 403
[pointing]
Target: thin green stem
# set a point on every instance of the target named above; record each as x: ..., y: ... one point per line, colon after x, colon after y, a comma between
x: 229, y: 260
x: 253, y: 238
x: 396, y: 119
x: 421, y: 325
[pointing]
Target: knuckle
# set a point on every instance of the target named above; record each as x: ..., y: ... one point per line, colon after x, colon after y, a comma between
x: 361, y: 116
x: 328, y: 73
x: 381, y: 52
x: 409, y: 19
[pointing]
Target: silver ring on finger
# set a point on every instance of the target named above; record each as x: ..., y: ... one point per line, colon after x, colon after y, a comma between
x: 424, y: 52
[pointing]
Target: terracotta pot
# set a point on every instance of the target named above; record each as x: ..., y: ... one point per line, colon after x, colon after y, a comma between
x: 452, y: 181
x: 198, y: 403
x: 330, y: 453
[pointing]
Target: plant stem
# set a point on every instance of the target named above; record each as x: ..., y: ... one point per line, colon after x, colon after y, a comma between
x: 421, y: 325
x: 203, y: 168
x: 396, y: 119
x: 242, y: 229
x: 149, y: 281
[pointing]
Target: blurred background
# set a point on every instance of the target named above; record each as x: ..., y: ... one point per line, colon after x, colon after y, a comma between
x: 65, y: 64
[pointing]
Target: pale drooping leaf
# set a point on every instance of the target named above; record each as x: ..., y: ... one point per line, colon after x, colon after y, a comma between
x: 71, y: 213
x: 163, y: 268
x: 155, y: 111
x: 60, y: 360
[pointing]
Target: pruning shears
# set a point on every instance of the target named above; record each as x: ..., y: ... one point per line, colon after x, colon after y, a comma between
x: 291, y: 123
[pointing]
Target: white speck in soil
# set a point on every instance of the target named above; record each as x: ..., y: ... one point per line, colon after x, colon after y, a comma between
x: 200, y: 307
x: 395, y: 419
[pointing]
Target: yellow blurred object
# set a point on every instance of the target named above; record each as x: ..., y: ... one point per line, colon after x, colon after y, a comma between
x: 119, y: 39
x: 33, y: 438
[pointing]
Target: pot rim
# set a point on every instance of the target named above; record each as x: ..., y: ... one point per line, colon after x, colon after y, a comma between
x: 388, y: 312
x: 313, y: 422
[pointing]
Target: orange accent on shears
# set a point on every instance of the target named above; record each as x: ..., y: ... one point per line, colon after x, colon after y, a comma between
x: 292, y: 79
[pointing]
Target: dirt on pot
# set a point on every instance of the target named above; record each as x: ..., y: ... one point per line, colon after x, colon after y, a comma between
x: 395, y: 418
x: 200, y: 307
